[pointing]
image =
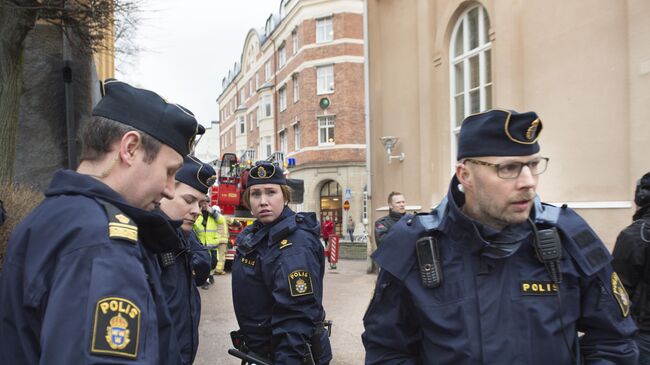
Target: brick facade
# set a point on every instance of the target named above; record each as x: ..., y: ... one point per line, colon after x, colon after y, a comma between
x: 345, y: 155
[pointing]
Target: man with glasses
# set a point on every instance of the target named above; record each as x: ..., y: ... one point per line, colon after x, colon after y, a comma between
x: 492, y: 275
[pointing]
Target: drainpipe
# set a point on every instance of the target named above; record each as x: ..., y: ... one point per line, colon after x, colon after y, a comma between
x: 366, y: 90
x: 69, y: 105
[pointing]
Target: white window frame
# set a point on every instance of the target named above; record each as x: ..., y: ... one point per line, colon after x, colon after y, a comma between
x: 266, y: 109
x: 485, y: 82
x: 242, y: 125
x: 251, y: 116
x: 296, y: 88
x: 325, y: 80
x: 250, y: 87
x: 242, y: 96
x: 267, y: 71
x: 282, y: 55
x: 324, y: 30
x: 296, y: 136
x: 257, y: 80
x: 294, y: 42
x: 327, y: 125
x: 282, y: 98
x: 284, y: 145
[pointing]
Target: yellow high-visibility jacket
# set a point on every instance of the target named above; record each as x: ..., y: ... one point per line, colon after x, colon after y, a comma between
x: 214, y: 232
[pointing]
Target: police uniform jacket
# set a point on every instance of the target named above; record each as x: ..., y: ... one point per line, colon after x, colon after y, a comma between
x: 496, y: 303
x: 384, y: 224
x: 277, y: 281
x: 77, y: 286
x: 632, y: 263
x: 179, y: 267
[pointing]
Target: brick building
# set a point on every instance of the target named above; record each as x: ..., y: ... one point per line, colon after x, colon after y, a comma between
x: 298, y: 93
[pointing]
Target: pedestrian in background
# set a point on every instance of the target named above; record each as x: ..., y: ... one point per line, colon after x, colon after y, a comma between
x: 277, y: 276
x: 396, y: 210
x: 351, y: 228
x: 632, y: 263
x: 492, y: 275
x: 81, y: 283
x: 206, y: 229
x: 189, y: 262
x: 222, y: 240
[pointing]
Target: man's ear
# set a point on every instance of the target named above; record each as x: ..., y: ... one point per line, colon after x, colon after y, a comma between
x: 464, y: 174
x: 129, y: 144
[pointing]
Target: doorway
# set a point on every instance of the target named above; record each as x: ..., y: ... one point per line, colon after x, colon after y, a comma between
x: 331, y: 204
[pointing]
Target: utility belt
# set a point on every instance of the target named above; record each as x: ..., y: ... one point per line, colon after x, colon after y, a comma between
x: 265, y: 355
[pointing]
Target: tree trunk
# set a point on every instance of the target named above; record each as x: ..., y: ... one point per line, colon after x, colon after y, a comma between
x: 17, y: 18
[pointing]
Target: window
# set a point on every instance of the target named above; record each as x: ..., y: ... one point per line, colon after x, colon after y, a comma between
x: 257, y: 80
x: 324, y: 79
x: 242, y: 96
x: 471, y: 75
x: 250, y: 121
x: 296, y: 136
x: 294, y: 42
x: 267, y: 70
x: 326, y: 130
x: 324, y: 31
x: 283, y: 141
x: 250, y: 87
x: 265, y: 147
x: 282, y: 95
x: 282, y: 56
x: 242, y: 125
x: 265, y: 110
x: 296, y: 88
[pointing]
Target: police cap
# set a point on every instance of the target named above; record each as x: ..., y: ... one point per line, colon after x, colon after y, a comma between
x: 499, y: 132
x: 147, y: 111
x: 265, y: 173
x: 196, y: 174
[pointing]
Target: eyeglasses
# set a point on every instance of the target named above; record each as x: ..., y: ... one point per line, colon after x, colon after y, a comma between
x: 512, y: 170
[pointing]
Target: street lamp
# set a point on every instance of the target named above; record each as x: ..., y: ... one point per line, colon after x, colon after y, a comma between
x: 389, y: 142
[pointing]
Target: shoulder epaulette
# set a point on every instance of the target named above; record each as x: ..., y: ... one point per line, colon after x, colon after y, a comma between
x: 120, y: 226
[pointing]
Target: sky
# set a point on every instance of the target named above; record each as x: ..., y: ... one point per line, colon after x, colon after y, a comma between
x: 189, y: 46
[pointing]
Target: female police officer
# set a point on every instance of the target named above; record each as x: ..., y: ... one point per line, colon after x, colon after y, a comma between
x: 277, y: 276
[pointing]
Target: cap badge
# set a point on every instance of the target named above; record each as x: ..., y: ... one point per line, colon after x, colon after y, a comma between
x: 261, y: 172
x: 532, y: 130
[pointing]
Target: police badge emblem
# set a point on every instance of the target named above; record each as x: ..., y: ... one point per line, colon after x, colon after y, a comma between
x: 117, y: 334
x: 621, y: 295
x: 300, y: 283
x: 261, y: 172
x: 116, y: 329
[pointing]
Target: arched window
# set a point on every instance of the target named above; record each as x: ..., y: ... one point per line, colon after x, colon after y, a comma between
x: 471, y: 63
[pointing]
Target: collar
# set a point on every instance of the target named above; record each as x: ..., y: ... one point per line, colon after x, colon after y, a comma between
x: 481, y: 238
x: 395, y: 215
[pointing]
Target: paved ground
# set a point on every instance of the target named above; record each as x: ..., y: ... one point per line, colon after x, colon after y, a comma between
x: 347, y: 294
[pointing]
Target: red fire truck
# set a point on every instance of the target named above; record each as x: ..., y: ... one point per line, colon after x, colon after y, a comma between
x: 228, y: 191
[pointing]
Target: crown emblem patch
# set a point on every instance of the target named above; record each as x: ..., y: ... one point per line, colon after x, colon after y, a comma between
x: 116, y: 328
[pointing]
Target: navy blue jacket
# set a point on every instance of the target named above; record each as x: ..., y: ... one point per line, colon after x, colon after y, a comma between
x: 178, y: 278
x: 277, y: 285
x: 496, y: 303
x: 79, y: 287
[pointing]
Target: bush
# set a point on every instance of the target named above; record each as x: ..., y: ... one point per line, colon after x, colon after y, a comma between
x: 18, y: 201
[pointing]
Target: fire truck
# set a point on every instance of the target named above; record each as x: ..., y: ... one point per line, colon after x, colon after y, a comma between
x: 228, y: 193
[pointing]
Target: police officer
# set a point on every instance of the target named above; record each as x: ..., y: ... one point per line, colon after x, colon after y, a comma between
x: 632, y: 263
x: 207, y: 227
x: 493, y: 276
x: 80, y: 282
x: 189, y: 263
x: 396, y: 210
x: 277, y: 276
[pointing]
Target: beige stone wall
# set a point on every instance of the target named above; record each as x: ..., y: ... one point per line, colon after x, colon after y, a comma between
x: 583, y: 66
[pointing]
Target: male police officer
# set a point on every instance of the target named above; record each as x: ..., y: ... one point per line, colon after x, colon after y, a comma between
x: 78, y: 285
x: 492, y: 276
x: 396, y: 210
x: 189, y: 262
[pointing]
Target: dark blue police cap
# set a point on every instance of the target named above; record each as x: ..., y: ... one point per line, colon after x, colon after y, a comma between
x: 196, y: 174
x: 265, y: 173
x: 145, y: 110
x: 499, y: 133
